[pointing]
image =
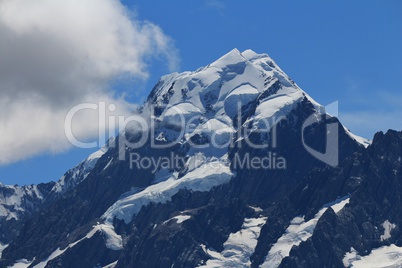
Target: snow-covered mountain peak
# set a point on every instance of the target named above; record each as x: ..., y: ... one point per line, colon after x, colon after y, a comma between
x: 235, y: 56
x: 201, y: 109
x: 222, y: 87
x: 207, y: 101
x: 232, y: 57
x: 251, y: 54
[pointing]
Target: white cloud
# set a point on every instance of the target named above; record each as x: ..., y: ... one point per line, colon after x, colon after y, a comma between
x: 56, y: 54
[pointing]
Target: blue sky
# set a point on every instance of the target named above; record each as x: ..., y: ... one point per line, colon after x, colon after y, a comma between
x: 335, y: 50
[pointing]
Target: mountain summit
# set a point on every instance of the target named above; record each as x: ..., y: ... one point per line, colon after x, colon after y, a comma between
x: 231, y: 165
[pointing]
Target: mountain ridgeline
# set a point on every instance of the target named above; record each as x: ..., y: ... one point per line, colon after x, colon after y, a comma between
x: 239, y: 168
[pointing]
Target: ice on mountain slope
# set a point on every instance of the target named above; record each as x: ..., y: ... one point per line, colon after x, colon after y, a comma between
x: 298, y: 231
x: 202, y: 178
x: 239, y: 97
x: 273, y: 110
x: 112, y: 265
x: 383, y: 257
x: 2, y: 247
x: 239, y: 247
x: 112, y: 241
x: 218, y: 130
x: 24, y: 263
x: 180, y: 113
x: 361, y: 140
x: 179, y: 219
x: 388, y: 227
x: 350, y: 257
x: 12, y: 199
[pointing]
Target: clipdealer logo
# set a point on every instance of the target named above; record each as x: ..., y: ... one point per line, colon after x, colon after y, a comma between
x: 145, y: 130
x: 331, y: 154
x: 269, y: 162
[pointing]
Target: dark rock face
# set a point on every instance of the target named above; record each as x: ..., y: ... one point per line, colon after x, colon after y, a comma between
x: 359, y: 224
x: 19, y: 204
x: 180, y: 244
x: 89, y: 253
